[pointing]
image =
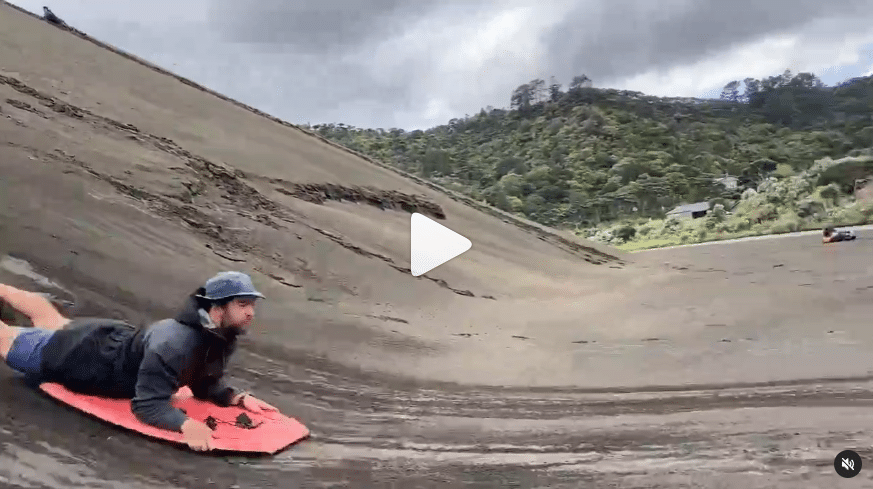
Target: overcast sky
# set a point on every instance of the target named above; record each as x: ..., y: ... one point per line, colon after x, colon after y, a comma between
x: 418, y: 63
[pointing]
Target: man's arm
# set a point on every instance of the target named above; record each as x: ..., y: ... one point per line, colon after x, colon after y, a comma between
x: 157, y: 381
x: 216, y: 390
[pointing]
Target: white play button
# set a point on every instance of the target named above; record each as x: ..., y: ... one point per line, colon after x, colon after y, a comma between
x: 433, y: 244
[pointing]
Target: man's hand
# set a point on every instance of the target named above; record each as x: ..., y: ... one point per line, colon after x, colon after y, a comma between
x: 182, y: 394
x: 252, y: 404
x: 197, y: 435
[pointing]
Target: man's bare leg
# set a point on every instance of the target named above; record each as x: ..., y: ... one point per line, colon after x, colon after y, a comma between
x: 36, y: 307
x: 7, y: 336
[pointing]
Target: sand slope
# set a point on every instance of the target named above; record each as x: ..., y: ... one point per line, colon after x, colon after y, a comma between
x: 123, y: 188
x: 160, y: 184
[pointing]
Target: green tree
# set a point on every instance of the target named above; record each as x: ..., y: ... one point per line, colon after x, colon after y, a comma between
x: 436, y: 162
x: 598, y: 155
x: 555, y: 90
x: 522, y: 97
x: 731, y: 92
x: 580, y: 82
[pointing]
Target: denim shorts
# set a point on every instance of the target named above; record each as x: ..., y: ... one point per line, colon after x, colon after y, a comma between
x: 25, y: 355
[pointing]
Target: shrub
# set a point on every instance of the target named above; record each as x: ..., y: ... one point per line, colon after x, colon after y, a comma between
x: 845, y: 171
x: 865, y: 208
x: 783, y: 170
x: 672, y: 225
x: 515, y: 204
x: 739, y: 224
x: 760, y: 228
x: 717, y: 216
x: 830, y: 192
x: 749, y: 193
x: 786, y: 224
x: 809, y: 207
x: 848, y: 216
x: 647, y: 228
x: 764, y: 213
x: 625, y: 232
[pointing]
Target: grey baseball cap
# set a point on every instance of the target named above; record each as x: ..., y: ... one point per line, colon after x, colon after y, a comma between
x: 229, y: 284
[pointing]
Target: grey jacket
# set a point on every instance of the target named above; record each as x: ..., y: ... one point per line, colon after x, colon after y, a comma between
x: 172, y: 358
x: 147, y: 365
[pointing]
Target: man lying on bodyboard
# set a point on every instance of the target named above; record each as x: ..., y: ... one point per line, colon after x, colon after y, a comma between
x: 832, y: 235
x: 111, y: 358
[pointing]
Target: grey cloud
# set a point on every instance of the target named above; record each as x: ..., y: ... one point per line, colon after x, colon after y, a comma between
x: 310, y: 61
x: 316, y: 26
x: 626, y: 38
x: 606, y: 39
x: 338, y: 35
x: 319, y: 48
x: 316, y: 90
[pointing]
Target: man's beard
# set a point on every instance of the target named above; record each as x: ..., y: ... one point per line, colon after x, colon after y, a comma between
x: 232, y: 331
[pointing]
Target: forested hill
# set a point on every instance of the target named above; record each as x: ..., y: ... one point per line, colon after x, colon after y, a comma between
x: 587, y: 155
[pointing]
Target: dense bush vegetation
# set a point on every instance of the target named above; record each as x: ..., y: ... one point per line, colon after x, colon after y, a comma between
x: 609, y: 164
x: 778, y: 205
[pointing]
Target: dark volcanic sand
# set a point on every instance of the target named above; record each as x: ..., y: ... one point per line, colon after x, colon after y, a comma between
x: 122, y: 189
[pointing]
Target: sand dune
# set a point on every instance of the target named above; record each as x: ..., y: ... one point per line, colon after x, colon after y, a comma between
x: 528, y: 360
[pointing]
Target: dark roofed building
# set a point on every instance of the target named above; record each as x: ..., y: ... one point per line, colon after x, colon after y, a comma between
x: 690, y: 210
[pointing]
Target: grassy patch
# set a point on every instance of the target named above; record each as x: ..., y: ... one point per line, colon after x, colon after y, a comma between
x: 649, y: 244
x: 632, y: 246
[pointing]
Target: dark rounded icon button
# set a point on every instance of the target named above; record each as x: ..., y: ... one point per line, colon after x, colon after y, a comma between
x: 847, y: 464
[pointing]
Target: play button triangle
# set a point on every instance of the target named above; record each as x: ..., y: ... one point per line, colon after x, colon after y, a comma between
x: 433, y: 244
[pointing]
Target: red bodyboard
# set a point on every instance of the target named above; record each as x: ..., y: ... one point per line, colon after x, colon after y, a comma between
x: 273, y: 431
